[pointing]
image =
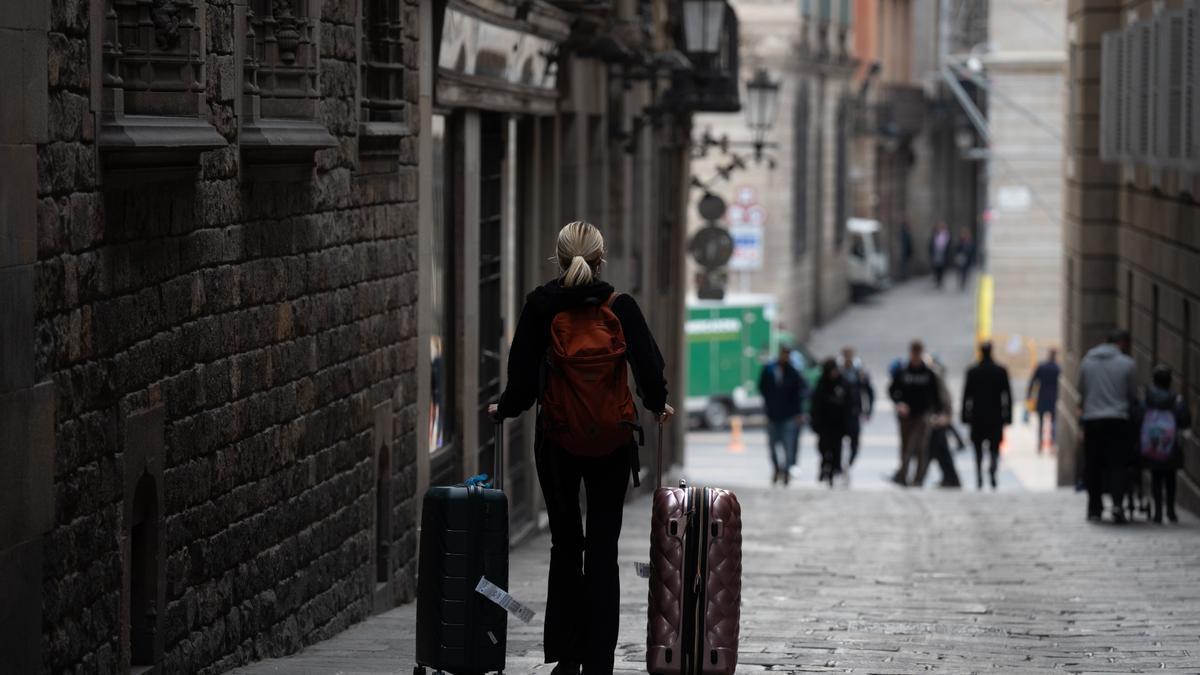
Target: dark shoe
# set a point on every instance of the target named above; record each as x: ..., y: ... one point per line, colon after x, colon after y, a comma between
x: 565, y: 668
x: 1118, y: 516
x: 1157, y: 518
x: 592, y: 669
x: 1093, y: 517
x: 1171, y: 516
x: 775, y: 477
x: 899, y: 480
x: 787, y: 477
x: 993, y: 476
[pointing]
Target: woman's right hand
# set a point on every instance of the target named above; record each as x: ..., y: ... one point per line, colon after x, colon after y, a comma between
x: 666, y: 415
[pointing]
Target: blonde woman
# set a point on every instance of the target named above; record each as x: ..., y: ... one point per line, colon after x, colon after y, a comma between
x: 569, y: 354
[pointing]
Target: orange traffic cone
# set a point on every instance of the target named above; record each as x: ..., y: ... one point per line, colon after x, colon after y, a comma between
x: 736, y: 446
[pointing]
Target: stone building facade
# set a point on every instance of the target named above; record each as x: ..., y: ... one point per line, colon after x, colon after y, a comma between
x: 1132, y: 223
x: 260, y: 263
x: 1026, y: 66
x: 802, y: 180
x: 208, y: 324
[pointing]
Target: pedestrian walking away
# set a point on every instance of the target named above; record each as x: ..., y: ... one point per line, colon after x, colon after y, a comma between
x: 573, y: 339
x: 941, y: 430
x: 1165, y: 415
x: 1108, y: 394
x: 832, y: 412
x: 906, y: 249
x: 784, y: 390
x: 862, y: 399
x: 915, y: 393
x: 1043, y: 397
x: 987, y: 410
x: 964, y: 256
x: 939, y: 253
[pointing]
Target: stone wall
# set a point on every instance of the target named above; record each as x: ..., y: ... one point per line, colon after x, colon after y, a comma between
x: 265, y: 322
x: 1132, y: 241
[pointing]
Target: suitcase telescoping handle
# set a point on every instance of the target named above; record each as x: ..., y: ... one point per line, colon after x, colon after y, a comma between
x: 658, y: 472
x: 498, y: 469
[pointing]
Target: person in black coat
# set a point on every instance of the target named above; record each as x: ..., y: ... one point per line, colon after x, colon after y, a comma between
x: 832, y: 411
x: 987, y: 409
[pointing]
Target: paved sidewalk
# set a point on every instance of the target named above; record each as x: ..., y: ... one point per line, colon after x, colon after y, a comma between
x: 882, y: 580
x: 891, y: 582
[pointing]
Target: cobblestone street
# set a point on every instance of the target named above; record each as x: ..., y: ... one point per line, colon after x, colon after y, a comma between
x: 875, y: 579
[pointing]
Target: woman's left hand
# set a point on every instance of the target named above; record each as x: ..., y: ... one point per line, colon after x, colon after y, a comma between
x: 666, y: 414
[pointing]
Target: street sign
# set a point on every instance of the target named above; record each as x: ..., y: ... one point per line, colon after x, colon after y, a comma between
x: 1013, y: 198
x: 711, y: 246
x: 747, y: 247
x: 711, y: 207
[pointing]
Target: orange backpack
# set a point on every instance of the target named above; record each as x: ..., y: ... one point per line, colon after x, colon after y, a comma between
x: 587, y: 408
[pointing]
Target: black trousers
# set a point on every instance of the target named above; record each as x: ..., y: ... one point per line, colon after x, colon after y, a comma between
x: 1162, y: 483
x: 583, y: 602
x: 830, y: 446
x: 992, y: 440
x: 1106, y: 448
x: 939, y: 451
x: 854, y: 433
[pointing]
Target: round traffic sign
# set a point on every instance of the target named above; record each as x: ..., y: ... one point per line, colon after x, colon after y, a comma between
x: 711, y: 246
x: 711, y: 207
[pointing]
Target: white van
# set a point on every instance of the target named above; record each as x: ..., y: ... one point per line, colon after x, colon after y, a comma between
x: 866, y: 261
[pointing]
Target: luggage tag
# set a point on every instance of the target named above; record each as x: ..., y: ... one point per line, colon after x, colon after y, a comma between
x: 501, y: 597
x: 482, y: 480
x: 643, y: 569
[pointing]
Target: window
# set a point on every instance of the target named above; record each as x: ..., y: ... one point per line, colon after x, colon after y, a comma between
x: 441, y: 293
x: 800, y: 175
x: 383, y: 63
x: 841, y: 204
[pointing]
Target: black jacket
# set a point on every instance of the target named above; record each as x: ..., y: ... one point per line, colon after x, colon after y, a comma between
x: 916, y: 387
x: 782, y: 399
x: 832, y: 407
x: 531, y: 340
x: 987, y: 399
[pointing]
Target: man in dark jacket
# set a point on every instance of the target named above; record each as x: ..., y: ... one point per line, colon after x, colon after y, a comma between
x: 1044, y: 386
x: 987, y: 409
x: 783, y: 389
x: 915, y: 392
x: 862, y: 396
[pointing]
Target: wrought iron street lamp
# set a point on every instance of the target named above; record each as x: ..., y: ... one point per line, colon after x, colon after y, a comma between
x: 762, y: 103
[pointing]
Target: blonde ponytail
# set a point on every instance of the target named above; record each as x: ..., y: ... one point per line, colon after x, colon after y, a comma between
x: 580, y: 252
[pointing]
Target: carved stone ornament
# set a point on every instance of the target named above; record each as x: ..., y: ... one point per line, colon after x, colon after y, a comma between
x: 165, y: 16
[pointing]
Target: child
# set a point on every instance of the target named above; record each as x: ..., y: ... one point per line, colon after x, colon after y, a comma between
x: 831, y: 415
x: 1164, y: 415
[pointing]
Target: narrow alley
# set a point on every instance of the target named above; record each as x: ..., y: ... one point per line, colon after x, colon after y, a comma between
x: 883, y: 580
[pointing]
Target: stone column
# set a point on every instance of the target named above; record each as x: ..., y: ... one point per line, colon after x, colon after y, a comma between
x: 1089, y: 219
x: 26, y: 407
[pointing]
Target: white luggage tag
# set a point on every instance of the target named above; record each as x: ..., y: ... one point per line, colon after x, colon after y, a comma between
x: 501, y: 597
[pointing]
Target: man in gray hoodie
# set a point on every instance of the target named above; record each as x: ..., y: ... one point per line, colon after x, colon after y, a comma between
x: 1108, y: 392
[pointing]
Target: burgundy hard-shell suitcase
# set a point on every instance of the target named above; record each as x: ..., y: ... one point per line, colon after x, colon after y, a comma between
x: 695, y: 580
